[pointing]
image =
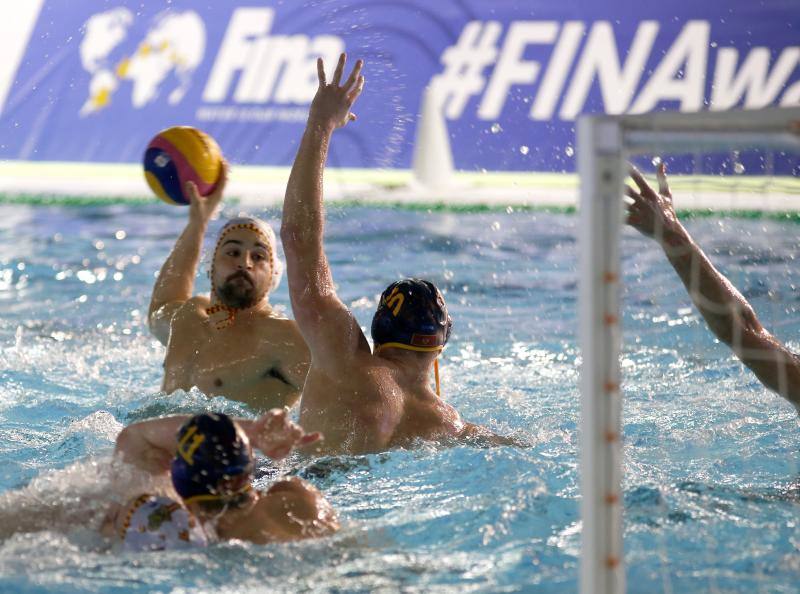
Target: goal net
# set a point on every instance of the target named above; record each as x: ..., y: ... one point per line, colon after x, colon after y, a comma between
x: 669, y: 315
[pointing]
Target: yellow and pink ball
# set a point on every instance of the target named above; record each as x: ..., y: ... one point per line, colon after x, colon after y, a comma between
x: 180, y: 154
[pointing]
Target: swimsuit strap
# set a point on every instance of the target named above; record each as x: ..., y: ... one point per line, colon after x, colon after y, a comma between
x: 436, y: 375
x: 216, y: 497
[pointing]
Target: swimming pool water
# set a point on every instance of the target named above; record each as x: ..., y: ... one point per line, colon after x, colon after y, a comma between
x: 711, y: 483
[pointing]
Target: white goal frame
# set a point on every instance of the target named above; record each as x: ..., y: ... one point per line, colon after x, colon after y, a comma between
x: 604, y: 144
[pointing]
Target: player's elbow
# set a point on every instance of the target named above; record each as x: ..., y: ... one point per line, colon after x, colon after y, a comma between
x: 748, y: 321
x: 125, y: 444
x: 740, y: 327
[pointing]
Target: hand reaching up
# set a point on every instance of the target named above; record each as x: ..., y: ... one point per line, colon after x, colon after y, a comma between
x: 332, y: 103
x: 651, y: 212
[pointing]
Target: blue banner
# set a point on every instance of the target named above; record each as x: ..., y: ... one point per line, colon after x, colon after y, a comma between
x: 97, y: 79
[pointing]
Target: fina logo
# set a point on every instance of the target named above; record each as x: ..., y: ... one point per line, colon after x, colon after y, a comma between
x: 173, y: 48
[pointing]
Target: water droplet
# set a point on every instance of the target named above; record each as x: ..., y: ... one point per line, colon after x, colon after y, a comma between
x: 496, y: 226
x: 738, y: 168
x: 568, y: 150
x: 496, y: 128
x: 120, y: 234
x: 524, y: 149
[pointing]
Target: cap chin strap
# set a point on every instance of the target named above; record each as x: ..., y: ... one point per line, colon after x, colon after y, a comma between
x: 212, y: 497
x: 436, y: 375
x: 228, y: 321
x: 408, y: 347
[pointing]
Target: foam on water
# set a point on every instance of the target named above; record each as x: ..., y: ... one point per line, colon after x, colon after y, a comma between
x: 711, y: 483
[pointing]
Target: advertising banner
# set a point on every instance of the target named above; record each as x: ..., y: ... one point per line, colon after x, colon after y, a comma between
x: 95, y: 80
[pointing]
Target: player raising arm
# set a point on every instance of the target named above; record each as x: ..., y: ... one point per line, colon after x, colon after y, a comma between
x: 727, y: 313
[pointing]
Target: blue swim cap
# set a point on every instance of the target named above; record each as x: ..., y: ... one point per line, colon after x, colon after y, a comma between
x: 411, y: 315
x: 213, y: 460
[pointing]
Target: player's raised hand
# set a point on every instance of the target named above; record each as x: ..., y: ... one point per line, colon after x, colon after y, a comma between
x: 651, y: 212
x: 333, y: 101
x: 202, y: 208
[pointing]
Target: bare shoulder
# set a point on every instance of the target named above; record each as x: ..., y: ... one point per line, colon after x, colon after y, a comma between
x: 169, y: 322
x: 363, y: 371
x: 284, y: 325
x: 192, y: 310
x: 286, y: 332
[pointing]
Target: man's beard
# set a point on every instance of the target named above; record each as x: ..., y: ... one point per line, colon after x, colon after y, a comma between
x: 237, y: 294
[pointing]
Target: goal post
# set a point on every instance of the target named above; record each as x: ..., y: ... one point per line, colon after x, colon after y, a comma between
x: 605, y: 144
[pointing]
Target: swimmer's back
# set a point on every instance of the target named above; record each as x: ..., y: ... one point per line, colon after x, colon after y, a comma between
x: 364, y: 409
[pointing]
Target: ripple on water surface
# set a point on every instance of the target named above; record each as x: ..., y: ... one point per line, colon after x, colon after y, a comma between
x: 711, y: 490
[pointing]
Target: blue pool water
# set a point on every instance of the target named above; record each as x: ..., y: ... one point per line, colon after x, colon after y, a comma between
x: 712, y: 485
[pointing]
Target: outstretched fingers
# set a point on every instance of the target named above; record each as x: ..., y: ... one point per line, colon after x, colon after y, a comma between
x: 661, y: 175
x: 356, y: 91
x: 321, y: 72
x: 354, y: 75
x: 191, y: 190
x: 224, y: 174
x: 334, y: 100
x: 637, y: 177
x: 631, y: 193
x: 632, y: 205
x: 337, y: 75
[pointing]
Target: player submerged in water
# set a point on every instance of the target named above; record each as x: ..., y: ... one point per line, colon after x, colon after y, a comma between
x: 728, y: 314
x: 209, y: 461
x: 363, y: 400
x: 232, y: 342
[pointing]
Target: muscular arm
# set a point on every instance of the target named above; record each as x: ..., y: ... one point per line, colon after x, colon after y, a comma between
x: 728, y: 314
x: 328, y: 327
x: 175, y: 283
x: 150, y: 445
